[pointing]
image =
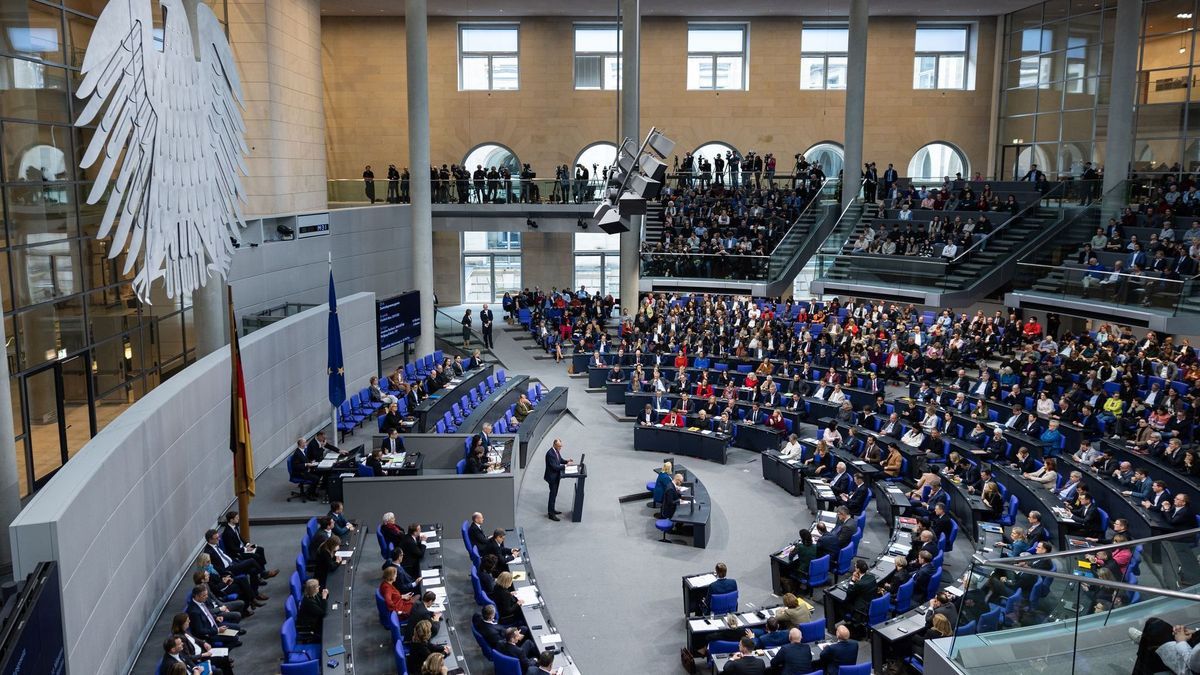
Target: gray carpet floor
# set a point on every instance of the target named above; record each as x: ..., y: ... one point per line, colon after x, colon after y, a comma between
x: 607, y: 581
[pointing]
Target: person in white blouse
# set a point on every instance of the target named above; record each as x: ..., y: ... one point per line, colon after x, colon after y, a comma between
x: 838, y: 396
x: 913, y: 438
x: 832, y: 436
x: 930, y: 421
x: 791, y: 449
x: 1047, y: 475
x: 1045, y: 404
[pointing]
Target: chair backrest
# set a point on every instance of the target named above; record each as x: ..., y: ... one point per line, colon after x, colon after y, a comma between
x: 506, y: 665
x: 813, y: 631
x: 938, y: 560
x: 402, y: 659
x: 312, y: 526
x: 481, y: 598
x: 363, y: 471
x: 953, y: 535
x: 295, y: 585
x: 289, y: 607
x: 384, y: 547
x: 483, y: 645
x: 859, y: 669
x: 989, y: 621
x: 465, y: 529
x: 722, y: 647
x: 967, y: 628
x: 460, y: 467
x: 904, y: 595
x: 1103, y: 519
x: 394, y: 626
x: 382, y: 608
x: 934, y: 582
x: 1014, y: 505
x: 724, y: 603
x: 818, y: 570
x: 878, y: 611
x: 845, y: 557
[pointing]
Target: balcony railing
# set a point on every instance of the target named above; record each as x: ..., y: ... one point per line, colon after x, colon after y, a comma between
x: 515, y: 191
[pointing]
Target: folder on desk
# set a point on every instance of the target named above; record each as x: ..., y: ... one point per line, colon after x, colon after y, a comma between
x: 527, y: 595
x: 702, y: 580
x: 344, y: 554
x: 571, y: 469
x: 325, y: 464
x: 430, y: 574
x: 429, y: 545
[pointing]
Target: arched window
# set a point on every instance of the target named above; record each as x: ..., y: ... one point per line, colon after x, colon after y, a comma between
x: 597, y: 156
x: 42, y: 163
x: 937, y: 160
x: 711, y: 149
x: 492, y: 154
x: 829, y: 155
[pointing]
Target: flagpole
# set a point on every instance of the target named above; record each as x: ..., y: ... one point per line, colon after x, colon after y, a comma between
x: 333, y: 409
x: 243, y: 495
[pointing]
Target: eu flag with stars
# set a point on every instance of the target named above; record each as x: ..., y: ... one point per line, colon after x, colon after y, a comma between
x: 337, y: 373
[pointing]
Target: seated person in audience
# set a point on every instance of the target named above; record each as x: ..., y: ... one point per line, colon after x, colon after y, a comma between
x: 1087, y: 517
x: 225, y: 565
x: 903, y: 572
x: 794, y: 658
x: 914, y: 438
x: 420, y: 647
x: 833, y: 541
x: 722, y: 585
x: 392, y: 444
x: 198, y: 650
x: 942, y: 604
x: 392, y: 533
x: 739, y: 664
x: 175, y: 660
x: 820, y: 461
x: 939, y: 627
x: 862, y: 591
x: 794, y: 612
x: 923, y: 575
x: 403, y: 583
x: 310, y: 616
x: 1047, y: 475
x: 477, y: 461
x: 803, y: 552
x: 1037, y: 530
x: 792, y: 448
x: 675, y: 418
x: 856, y: 500
x: 1069, y: 487
x: 507, y: 603
x: 523, y: 409
x: 832, y: 436
x: 1181, y: 655
x: 1179, y: 513
x: 225, y: 584
x: 993, y: 500
x: 842, y: 652
x: 323, y: 533
x: 374, y: 461
x: 230, y: 610
x: 923, y: 504
x: 207, y: 626
x: 776, y: 421
x: 1159, y: 496
x: 840, y: 482
x: 486, y: 624
x: 1139, y: 485
x: 495, y: 546
x: 894, y: 462
x: 327, y: 560
x: 302, y: 468
x: 1087, y: 454
x: 939, y: 521
x: 341, y: 526
x: 647, y: 417
x: 318, y: 447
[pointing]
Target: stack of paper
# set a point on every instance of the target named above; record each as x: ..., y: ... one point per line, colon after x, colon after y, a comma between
x: 344, y: 554
x: 527, y: 595
x: 430, y: 545
x: 550, y: 639
x: 701, y: 580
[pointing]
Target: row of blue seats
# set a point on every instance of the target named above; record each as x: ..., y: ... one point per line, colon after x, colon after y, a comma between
x: 301, y: 654
x: 359, y: 407
x: 504, y: 664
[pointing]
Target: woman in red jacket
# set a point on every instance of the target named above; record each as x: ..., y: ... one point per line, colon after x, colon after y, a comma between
x: 395, y: 601
x: 703, y: 388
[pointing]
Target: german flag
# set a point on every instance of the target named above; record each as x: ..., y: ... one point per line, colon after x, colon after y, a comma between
x: 239, y: 418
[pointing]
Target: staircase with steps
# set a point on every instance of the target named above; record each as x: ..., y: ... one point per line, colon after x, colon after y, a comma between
x: 654, y: 222
x: 929, y: 281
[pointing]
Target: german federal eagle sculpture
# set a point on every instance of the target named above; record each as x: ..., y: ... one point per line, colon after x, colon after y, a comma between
x: 170, y: 141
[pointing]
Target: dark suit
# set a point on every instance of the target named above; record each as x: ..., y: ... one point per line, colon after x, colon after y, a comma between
x: 204, y: 626
x: 747, y: 665
x: 670, y: 502
x: 392, y: 446
x: 836, y: 655
x: 476, y: 536
x: 414, y: 551
x: 555, y: 467
x: 841, y: 483
x: 1181, y: 517
x: 485, y: 321
x: 835, y: 540
x: 419, y: 613
x: 311, y: 615
x: 921, y: 581
x: 224, y: 564
x: 231, y: 542
x: 793, y: 659
x: 1087, y: 519
x: 858, y: 500
x: 492, y: 547
x: 861, y: 593
x: 1036, y: 533
x: 493, y: 633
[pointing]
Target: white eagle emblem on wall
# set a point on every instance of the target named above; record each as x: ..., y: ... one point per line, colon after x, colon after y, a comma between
x: 170, y: 141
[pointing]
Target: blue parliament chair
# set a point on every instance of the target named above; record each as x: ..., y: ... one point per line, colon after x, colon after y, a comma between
x: 402, y: 659
x: 723, y: 603
x: 877, y: 613
x: 859, y: 669
x: 506, y: 665
x: 813, y: 631
x: 483, y: 645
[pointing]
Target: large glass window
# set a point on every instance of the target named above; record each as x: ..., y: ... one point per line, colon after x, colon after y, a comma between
x: 937, y: 160
x: 598, y: 262
x: 717, y: 56
x: 941, y: 57
x: 823, y: 55
x: 597, y: 56
x: 487, y: 56
x: 491, y: 265
x: 596, y: 157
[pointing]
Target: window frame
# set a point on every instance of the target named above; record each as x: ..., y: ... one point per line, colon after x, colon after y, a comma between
x: 714, y: 56
x: 968, y: 61
x: 490, y: 55
x: 823, y: 55
x: 604, y: 56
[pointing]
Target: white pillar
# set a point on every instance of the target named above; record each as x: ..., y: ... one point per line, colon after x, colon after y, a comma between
x: 1119, y: 149
x: 209, y: 316
x: 10, y: 496
x: 416, y: 28
x: 856, y: 97
x: 631, y: 27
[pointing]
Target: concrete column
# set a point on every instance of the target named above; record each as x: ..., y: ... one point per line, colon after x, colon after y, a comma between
x: 1119, y: 150
x: 10, y: 493
x: 631, y: 28
x: 856, y: 98
x: 416, y: 29
x: 209, y: 317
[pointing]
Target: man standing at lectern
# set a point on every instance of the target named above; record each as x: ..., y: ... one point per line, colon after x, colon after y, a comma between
x: 556, y: 466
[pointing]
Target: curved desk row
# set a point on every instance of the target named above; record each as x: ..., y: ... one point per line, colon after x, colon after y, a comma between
x: 491, y: 408
x: 537, y: 616
x: 538, y: 423
x: 666, y: 440
x: 432, y: 409
x: 695, y: 508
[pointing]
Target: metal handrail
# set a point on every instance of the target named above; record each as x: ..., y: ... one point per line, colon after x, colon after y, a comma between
x: 1085, y: 271
x: 852, y: 204
x: 1016, y: 216
x: 1120, y: 585
x: 816, y: 198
